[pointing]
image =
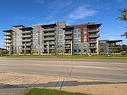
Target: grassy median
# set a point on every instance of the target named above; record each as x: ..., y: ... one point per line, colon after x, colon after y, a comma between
x: 71, y: 56
x: 37, y: 91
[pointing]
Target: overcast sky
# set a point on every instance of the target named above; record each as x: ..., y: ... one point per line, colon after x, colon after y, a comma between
x: 29, y: 12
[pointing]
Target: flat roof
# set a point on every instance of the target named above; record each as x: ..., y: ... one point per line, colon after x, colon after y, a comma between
x: 94, y: 25
x: 86, y: 25
x: 112, y: 41
x: 53, y: 24
x: 19, y: 26
x: 68, y: 27
x: 26, y: 28
x: 7, y: 30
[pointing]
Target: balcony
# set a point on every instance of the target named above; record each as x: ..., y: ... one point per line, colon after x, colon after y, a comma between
x: 49, y: 39
x: 8, y: 41
x: 67, y: 46
x: 49, y: 29
x: 94, y: 35
x: 29, y: 44
x: 45, y: 48
x: 7, y: 45
x: 8, y: 37
x: 114, y: 46
x: 26, y: 36
x: 26, y: 40
x: 92, y: 41
x: 8, y: 34
x: 26, y: 48
x: 68, y: 37
x: 94, y: 30
x: 51, y: 43
x: 49, y: 34
x: 51, y: 47
x: 92, y: 47
x: 68, y: 33
x: 68, y: 42
x: 26, y: 32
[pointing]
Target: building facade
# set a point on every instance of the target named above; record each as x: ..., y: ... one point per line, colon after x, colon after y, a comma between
x: 56, y: 38
x: 109, y: 46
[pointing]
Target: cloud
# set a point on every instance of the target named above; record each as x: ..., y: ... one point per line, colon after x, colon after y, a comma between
x: 81, y: 12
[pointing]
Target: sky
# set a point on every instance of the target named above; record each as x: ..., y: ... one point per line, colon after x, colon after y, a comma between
x: 29, y: 12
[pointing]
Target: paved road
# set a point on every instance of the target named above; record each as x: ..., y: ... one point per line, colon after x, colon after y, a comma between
x: 98, y: 69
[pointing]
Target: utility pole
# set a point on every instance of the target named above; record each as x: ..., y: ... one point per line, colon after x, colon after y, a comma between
x: 10, y: 50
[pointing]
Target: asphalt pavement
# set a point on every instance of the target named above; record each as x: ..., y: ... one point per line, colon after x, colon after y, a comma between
x: 113, y: 70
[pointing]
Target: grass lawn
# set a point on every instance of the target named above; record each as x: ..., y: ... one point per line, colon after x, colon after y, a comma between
x: 71, y: 56
x: 37, y: 91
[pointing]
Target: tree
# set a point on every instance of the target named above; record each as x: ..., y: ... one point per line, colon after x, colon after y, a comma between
x: 1, y: 52
x: 123, y: 14
x: 123, y: 17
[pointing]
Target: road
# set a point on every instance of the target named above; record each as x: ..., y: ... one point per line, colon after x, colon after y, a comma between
x: 95, y: 69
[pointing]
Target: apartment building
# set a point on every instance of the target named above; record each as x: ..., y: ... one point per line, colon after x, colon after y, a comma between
x: 85, y: 38
x: 109, y: 46
x: 56, y: 38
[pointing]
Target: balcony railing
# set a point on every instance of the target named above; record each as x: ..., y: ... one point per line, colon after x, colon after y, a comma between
x: 92, y: 41
x: 7, y: 45
x: 69, y: 32
x: 51, y: 47
x: 26, y: 32
x: 50, y: 29
x: 26, y: 36
x: 94, y: 36
x: 67, y: 42
x: 92, y: 47
x: 94, y: 30
x: 50, y: 43
x: 8, y: 41
x: 48, y: 39
x: 26, y: 40
x: 27, y: 44
x: 49, y: 34
x: 8, y: 37
x: 26, y: 48
x: 68, y: 37
x: 8, y: 34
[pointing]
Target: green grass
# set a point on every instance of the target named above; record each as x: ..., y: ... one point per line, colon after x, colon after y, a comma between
x: 37, y: 91
x: 71, y: 56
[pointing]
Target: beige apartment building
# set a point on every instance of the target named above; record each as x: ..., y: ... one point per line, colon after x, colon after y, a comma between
x: 55, y: 38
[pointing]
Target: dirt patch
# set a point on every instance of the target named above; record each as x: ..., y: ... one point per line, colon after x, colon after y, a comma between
x: 16, y: 83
